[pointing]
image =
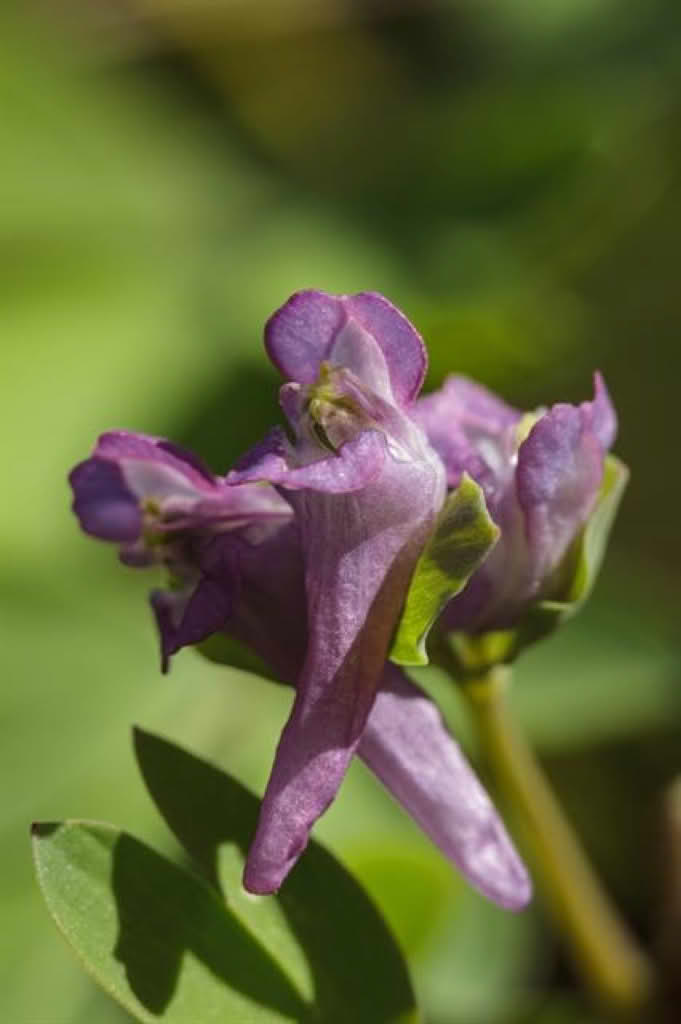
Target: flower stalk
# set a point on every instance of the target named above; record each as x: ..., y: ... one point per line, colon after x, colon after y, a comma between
x: 603, y: 949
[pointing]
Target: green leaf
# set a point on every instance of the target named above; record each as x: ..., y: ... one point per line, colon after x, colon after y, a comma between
x: 321, y: 926
x: 156, y: 938
x: 463, y: 537
x: 575, y: 580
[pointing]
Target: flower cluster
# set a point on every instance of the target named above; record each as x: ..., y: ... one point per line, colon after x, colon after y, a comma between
x: 306, y: 554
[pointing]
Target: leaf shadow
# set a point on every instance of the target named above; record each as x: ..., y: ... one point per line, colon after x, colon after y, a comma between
x: 164, y: 913
x: 357, y: 971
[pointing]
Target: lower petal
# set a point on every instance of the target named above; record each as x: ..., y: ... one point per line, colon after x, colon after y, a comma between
x: 360, y: 551
x: 408, y: 747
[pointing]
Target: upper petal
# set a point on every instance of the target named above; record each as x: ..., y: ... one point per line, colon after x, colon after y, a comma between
x: 128, y: 472
x: 466, y: 403
x: 407, y: 745
x: 133, y: 480
x: 560, y: 467
x: 473, y: 432
x: 301, y: 335
x: 122, y: 446
x: 402, y: 345
x: 599, y: 414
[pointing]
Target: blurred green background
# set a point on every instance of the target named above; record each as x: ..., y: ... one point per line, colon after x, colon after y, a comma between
x: 509, y: 174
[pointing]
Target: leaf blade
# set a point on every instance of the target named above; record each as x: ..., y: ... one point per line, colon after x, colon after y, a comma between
x: 357, y: 969
x: 154, y: 936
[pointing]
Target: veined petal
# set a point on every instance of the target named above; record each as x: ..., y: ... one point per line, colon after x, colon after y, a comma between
x: 270, y: 615
x: 402, y: 345
x: 360, y: 550
x: 472, y: 430
x: 471, y: 405
x: 301, y: 335
x: 407, y: 745
x: 560, y: 467
x: 123, y: 445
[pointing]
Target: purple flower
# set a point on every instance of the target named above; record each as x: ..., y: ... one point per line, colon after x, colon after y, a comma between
x: 313, y: 584
x: 162, y: 506
x: 366, y: 488
x: 541, y: 474
x: 405, y: 742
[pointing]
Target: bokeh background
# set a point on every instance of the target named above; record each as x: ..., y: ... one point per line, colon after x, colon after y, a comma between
x: 507, y: 172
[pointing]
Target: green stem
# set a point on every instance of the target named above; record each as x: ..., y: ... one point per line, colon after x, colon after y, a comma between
x: 604, y: 951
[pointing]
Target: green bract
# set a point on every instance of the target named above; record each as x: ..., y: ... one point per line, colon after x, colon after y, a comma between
x: 463, y: 537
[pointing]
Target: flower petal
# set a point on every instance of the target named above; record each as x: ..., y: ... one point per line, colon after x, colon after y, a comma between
x: 402, y: 345
x: 270, y: 615
x: 360, y: 551
x: 355, y: 465
x: 560, y: 467
x: 188, y: 616
x: 123, y: 446
x: 356, y: 350
x: 600, y: 415
x: 471, y: 430
x: 301, y: 334
x: 462, y: 402
x: 103, y: 502
x: 407, y: 745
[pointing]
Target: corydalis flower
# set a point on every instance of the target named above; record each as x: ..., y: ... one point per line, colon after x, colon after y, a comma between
x: 366, y: 488
x: 162, y: 506
x: 404, y: 742
x: 316, y: 597
x: 541, y: 474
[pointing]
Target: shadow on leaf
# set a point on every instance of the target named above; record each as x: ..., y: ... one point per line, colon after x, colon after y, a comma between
x: 356, y: 967
x: 164, y: 913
